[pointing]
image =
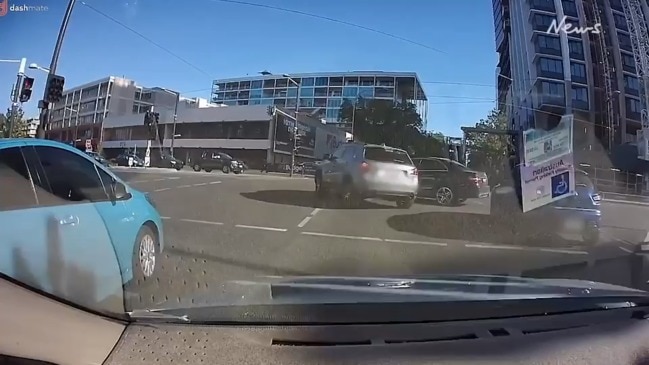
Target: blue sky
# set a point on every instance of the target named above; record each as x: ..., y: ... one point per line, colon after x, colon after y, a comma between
x: 222, y: 40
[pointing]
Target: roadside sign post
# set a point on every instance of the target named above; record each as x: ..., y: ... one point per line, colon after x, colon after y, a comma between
x: 88, y: 145
x: 147, y: 154
x: 548, y: 171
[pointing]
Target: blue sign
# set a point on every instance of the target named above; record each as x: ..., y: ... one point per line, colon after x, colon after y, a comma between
x: 560, y: 184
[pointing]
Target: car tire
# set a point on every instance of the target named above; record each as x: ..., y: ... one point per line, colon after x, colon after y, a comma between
x: 197, y: 167
x: 178, y: 167
x: 226, y: 169
x: 405, y: 203
x: 591, y: 236
x: 145, y: 259
x: 445, y: 196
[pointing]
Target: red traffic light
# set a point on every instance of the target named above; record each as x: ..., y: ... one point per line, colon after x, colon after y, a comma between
x: 28, y: 83
x: 26, y: 90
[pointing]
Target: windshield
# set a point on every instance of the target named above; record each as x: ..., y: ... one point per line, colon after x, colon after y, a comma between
x: 387, y: 155
x: 283, y: 152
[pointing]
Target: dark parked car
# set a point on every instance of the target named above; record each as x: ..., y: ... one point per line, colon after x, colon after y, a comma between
x: 167, y: 161
x: 449, y: 182
x: 579, y: 213
x: 99, y: 158
x: 122, y: 160
x: 218, y: 161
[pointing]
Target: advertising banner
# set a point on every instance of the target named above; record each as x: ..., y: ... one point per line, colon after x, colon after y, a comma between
x: 548, y: 172
x: 283, y: 142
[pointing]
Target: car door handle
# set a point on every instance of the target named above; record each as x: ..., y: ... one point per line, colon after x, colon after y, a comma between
x: 69, y: 221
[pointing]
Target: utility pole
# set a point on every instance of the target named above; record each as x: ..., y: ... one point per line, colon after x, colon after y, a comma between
x: 43, y: 105
x: 15, y: 97
x: 295, y: 129
x: 173, y: 130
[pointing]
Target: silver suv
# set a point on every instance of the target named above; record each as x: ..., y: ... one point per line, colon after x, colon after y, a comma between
x: 357, y: 171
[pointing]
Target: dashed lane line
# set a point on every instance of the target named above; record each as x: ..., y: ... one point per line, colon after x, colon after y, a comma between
x: 308, y: 218
x: 183, y: 186
x: 202, y: 222
x: 625, y: 249
x: 362, y: 238
x: 201, y: 184
x: 162, y: 189
x: 215, y: 182
x: 410, y: 242
x: 273, y: 229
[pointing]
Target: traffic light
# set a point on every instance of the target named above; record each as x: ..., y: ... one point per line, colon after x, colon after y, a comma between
x: 54, y: 88
x: 156, y: 119
x: 148, y: 119
x: 26, y: 90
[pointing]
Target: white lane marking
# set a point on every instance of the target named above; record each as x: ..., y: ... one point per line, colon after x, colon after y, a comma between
x: 624, y: 249
x: 625, y: 202
x: 416, y: 242
x: 138, y: 181
x: 201, y: 184
x: 273, y: 229
x: 646, y: 238
x: 558, y: 250
x: 165, y: 217
x: 342, y: 236
x: 498, y: 247
x: 308, y: 218
x: 183, y: 186
x: 163, y: 189
x: 163, y: 179
x: 627, y: 242
x: 173, y: 178
x: 202, y: 222
x: 304, y: 221
x: 215, y: 182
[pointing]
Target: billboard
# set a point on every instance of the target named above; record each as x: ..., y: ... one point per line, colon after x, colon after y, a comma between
x: 283, y: 137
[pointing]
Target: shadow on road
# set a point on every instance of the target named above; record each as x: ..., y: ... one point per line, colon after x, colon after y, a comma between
x: 303, y: 198
x: 473, y: 227
x: 431, y: 201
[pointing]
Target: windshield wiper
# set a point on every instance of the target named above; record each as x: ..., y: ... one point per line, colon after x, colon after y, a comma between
x: 149, y: 314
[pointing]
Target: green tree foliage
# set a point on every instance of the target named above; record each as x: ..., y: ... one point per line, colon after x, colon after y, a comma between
x: 487, y: 152
x: 19, y: 124
x: 395, y: 124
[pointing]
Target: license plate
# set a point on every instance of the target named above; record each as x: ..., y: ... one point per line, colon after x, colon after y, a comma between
x: 574, y: 224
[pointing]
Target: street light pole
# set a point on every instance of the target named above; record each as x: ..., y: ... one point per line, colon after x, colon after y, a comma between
x: 173, y: 133
x: 295, y: 129
x: 43, y: 105
x: 15, y: 97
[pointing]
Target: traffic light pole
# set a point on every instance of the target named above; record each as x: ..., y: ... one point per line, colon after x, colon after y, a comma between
x: 295, y: 129
x: 44, y: 106
x: 15, y: 98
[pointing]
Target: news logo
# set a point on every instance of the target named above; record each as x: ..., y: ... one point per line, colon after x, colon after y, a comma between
x: 4, y: 7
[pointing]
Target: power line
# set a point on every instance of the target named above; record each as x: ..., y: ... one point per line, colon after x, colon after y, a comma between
x: 146, y: 39
x: 322, y: 17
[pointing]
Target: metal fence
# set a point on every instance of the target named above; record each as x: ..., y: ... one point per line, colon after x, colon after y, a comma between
x: 612, y: 180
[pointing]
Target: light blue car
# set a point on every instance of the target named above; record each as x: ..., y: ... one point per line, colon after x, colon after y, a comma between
x: 70, y: 228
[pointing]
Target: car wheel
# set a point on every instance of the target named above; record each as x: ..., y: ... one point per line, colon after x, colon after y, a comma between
x: 197, y: 167
x: 178, y: 167
x: 226, y: 169
x: 591, y: 235
x: 405, y: 203
x: 145, y: 256
x: 444, y: 196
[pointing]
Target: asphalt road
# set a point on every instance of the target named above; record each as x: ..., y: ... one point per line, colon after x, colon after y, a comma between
x: 240, y: 227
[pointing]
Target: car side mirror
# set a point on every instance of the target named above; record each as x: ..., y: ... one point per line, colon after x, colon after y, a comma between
x: 119, y: 191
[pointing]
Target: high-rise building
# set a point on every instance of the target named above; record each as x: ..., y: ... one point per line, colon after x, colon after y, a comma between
x: 572, y: 56
x: 321, y: 94
x: 80, y: 113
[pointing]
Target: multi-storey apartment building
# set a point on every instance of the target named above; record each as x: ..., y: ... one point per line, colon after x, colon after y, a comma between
x: 591, y: 73
x: 321, y: 94
x: 81, y: 112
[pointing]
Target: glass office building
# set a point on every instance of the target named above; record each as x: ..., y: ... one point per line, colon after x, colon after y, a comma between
x: 322, y: 94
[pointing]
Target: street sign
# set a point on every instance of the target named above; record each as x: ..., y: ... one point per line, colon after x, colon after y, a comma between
x: 88, y: 145
x: 548, y: 172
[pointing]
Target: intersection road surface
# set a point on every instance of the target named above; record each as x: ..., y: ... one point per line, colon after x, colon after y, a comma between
x: 222, y: 227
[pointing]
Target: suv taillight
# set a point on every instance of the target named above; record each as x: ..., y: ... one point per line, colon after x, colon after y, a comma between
x: 365, y: 167
x: 414, y: 172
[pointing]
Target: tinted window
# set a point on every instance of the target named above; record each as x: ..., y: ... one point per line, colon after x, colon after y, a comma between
x: 339, y: 152
x: 16, y: 190
x: 432, y: 164
x: 387, y: 155
x: 70, y: 176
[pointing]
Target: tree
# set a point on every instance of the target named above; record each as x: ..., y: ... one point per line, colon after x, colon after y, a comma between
x: 395, y: 124
x: 487, y: 152
x: 19, y: 126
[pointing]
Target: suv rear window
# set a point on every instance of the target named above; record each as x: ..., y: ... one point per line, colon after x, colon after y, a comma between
x: 387, y: 155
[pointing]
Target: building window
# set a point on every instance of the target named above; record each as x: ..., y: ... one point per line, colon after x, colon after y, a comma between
x: 551, y: 65
x: 628, y: 61
x: 631, y: 82
x: 256, y: 84
x: 578, y: 70
x: 576, y: 47
x: 625, y: 41
x: 620, y: 21
x: 549, y: 42
x: 322, y: 81
x: 255, y: 94
x: 543, y: 21
x: 306, y: 102
x: 334, y: 103
x: 633, y: 105
x: 350, y: 91
x: 306, y: 91
x: 308, y: 81
x: 552, y: 89
x: 580, y: 94
x: 366, y: 92
x: 570, y: 8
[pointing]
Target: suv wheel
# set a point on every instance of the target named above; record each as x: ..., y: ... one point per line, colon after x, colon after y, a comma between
x: 405, y: 202
x: 197, y: 167
x: 444, y: 196
x: 226, y: 169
